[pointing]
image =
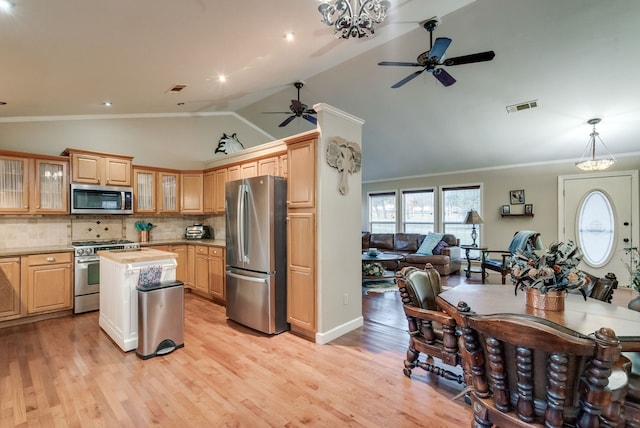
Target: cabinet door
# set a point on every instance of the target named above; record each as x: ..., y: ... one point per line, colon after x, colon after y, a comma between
x: 301, y: 288
x: 117, y: 171
x: 301, y: 183
x: 10, y: 288
x: 191, y: 186
x: 219, y: 194
x: 234, y: 173
x: 283, y: 166
x: 49, y: 286
x: 14, y: 185
x: 144, y: 191
x: 268, y: 166
x: 51, y: 188
x: 216, y: 273
x: 168, y: 192
x: 249, y: 169
x: 86, y: 168
x: 201, y: 280
x: 191, y: 266
x: 181, y: 269
x: 209, y: 191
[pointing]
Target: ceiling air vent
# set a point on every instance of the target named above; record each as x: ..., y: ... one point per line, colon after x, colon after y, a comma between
x: 522, y: 106
x: 176, y: 88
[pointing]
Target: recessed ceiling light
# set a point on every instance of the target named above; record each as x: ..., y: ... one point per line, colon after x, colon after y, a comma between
x: 107, y: 104
x: 289, y: 37
x: 222, y: 78
x: 6, y: 5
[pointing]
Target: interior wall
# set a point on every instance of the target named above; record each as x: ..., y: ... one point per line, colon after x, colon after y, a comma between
x: 540, y: 183
x: 177, y: 142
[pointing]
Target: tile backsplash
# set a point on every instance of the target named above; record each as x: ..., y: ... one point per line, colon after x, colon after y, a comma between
x: 26, y: 232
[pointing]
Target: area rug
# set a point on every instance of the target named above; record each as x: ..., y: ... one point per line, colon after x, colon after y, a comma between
x: 378, y: 287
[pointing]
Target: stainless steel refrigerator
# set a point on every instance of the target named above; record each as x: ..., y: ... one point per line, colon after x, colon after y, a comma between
x: 256, y: 272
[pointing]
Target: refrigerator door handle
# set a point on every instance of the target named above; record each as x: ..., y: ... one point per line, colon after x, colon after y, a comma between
x: 246, y: 278
x: 241, y: 224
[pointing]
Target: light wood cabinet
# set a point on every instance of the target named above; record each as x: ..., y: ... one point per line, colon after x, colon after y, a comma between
x: 217, y: 273
x: 301, y: 237
x: 10, y: 291
x: 283, y: 165
x: 249, y: 169
x: 234, y: 173
x: 168, y: 198
x: 208, y: 192
x: 214, y: 191
x: 191, y: 266
x: 191, y: 193
x: 47, y: 279
x: 144, y: 190
x: 181, y: 260
x: 201, y: 267
x: 33, y: 185
x: 269, y: 166
x: 99, y: 168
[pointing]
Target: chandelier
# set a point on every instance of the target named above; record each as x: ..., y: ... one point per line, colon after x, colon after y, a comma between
x: 588, y: 161
x: 353, y: 18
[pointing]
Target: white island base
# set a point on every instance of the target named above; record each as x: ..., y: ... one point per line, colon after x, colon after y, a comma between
x: 120, y: 272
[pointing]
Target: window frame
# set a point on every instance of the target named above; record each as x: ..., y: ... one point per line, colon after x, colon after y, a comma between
x: 370, y: 222
x: 466, y: 235
x: 401, y: 208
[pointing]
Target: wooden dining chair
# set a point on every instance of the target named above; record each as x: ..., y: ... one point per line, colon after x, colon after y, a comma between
x: 525, y: 372
x: 431, y: 331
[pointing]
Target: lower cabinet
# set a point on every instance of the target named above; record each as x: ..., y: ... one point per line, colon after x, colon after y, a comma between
x: 47, y: 279
x: 201, y: 268
x: 10, y: 301
x: 217, y: 273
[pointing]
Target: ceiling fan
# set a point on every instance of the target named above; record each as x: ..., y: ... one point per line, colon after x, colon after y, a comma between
x: 298, y: 109
x: 431, y: 59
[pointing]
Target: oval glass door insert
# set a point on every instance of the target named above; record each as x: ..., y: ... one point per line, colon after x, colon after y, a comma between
x: 596, y: 229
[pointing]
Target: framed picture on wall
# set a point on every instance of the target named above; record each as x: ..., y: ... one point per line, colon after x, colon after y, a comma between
x: 516, y: 197
x: 506, y: 209
x: 528, y: 208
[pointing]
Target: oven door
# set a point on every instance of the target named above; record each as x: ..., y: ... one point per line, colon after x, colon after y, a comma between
x: 87, y: 284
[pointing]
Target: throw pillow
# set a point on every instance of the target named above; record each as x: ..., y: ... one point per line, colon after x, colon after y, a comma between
x: 430, y: 241
x: 437, y: 250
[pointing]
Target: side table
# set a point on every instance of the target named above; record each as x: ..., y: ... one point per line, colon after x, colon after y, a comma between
x: 467, y: 253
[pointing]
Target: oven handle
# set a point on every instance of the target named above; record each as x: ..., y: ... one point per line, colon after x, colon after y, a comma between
x: 87, y: 261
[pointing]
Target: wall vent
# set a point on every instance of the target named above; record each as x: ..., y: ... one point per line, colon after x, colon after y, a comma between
x: 176, y: 88
x: 522, y: 106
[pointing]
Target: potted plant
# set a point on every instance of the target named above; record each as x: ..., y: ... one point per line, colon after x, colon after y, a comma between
x: 372, y: 269
x: 548, y: 277
x: 634, y: 271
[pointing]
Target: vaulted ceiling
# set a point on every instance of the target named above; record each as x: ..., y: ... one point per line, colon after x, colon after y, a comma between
x: 577, y: 59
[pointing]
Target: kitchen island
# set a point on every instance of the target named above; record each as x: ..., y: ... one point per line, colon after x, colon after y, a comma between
x: 121, y: 271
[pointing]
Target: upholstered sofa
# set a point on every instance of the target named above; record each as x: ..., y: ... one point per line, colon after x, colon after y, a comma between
x: 408, y: 244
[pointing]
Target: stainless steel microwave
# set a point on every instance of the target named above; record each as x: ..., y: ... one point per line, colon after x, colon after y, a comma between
x: 92, y: 199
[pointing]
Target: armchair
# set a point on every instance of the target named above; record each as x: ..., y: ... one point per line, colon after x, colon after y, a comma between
x: 525, y: 372
x: 524, y: 239
x: 431, y: 331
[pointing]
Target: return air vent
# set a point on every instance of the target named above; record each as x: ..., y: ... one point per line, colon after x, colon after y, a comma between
x: 176, y: 88
x: 522, y: 106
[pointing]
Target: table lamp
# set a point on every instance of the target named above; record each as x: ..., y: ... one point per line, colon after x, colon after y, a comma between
x: 473, y: 218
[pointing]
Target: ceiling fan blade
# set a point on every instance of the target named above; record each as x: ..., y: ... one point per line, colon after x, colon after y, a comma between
x: 439, y: 47
x: 287, y: 120
x: 408, y: 78
x: 468, y: 59
x: 443, y: 77
x: 401, y: 64
x: 310, y: 119
x: 310, y: 111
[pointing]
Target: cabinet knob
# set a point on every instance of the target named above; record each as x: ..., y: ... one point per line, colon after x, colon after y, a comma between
x: 26, y: 207
x: 51, y: 259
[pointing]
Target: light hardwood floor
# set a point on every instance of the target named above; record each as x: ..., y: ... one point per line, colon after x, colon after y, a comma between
x: 66, y: 372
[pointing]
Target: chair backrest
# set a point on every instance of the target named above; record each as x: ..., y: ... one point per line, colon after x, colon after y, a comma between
x: 525, y: 240
x: 420, y: 288
x: 604, y: 287
x: 527, y: 371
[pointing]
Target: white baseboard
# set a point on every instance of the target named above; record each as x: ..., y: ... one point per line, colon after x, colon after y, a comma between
x: 334, y: 333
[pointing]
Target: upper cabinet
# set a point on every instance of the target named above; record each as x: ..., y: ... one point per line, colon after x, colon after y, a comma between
x: 168, y: 192
x: 144, y: 190
x: 99, y: 168
x: 214, y: 188
x: 191, y: 193
x: 301, y: 173
x: 33, y: 185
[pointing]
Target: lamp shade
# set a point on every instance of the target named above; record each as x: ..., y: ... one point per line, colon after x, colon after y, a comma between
x: 473, y: 218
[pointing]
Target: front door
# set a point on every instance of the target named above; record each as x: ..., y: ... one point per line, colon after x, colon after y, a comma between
x: 597, y: 211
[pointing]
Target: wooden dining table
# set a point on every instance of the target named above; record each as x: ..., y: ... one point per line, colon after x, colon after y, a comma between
x: 580, y: 316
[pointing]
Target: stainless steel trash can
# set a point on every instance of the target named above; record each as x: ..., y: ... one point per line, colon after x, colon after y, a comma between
x: 160, y: 318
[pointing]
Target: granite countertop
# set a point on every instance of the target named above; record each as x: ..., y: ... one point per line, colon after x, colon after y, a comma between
x: 26, y: 251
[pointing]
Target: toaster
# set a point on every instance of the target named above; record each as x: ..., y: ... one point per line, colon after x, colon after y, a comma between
x: 197, y: 231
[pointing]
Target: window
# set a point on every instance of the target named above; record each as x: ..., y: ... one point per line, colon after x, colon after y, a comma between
x: 596, y: 227
x: 382, y: 212
x: 418, y: 211
x: 456, y: 203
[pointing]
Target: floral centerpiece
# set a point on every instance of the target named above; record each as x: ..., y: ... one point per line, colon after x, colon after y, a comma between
x: 555, y: 270
x: 372, y: 269
x: 634, y: 267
